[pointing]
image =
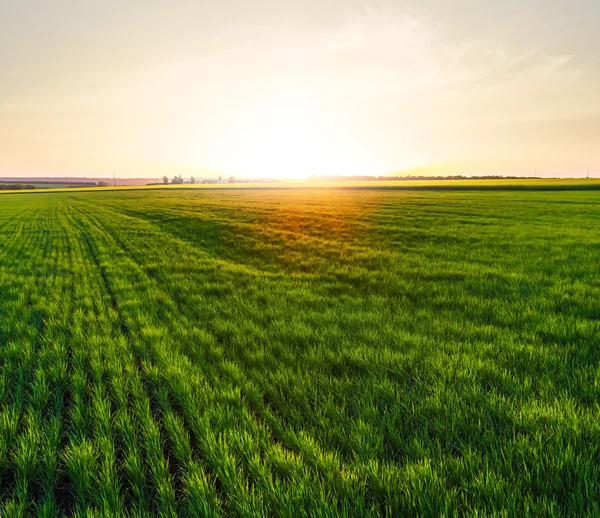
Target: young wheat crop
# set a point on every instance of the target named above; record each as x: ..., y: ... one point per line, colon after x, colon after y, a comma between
x: 300, y: 352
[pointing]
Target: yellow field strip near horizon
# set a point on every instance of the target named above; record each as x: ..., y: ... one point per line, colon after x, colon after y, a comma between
x: 377, y: 184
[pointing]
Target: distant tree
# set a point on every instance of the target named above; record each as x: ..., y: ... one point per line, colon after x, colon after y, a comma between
x: 231, y: 179
x: 103, y: 184
x: 165, y: 179
x: 192, y: 180
x: 220, y: 179
x: 180, y: 179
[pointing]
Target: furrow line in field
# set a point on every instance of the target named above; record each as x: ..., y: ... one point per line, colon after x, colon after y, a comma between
x: 222, y: 494
x: 104, y: 214
x: 86, y: 250
x: 80, y: 442
x: 151, y: 422
x: 93, y: 341
x: 144, y: 362
x: 257, y: 412
x: 185, y: 312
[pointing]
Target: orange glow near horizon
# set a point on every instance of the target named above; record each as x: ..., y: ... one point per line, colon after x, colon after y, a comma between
x: 287, y: 137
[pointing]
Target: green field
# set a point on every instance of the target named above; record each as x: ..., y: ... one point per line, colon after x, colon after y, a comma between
x: 300, y: 353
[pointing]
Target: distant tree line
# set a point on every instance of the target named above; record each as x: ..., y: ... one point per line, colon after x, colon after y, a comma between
x: 16, y: 186
x: 325, y: 178
x: 49, y: 185
x: 176, y: 180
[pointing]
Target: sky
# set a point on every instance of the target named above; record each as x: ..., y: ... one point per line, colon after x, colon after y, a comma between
x: 279, y: 88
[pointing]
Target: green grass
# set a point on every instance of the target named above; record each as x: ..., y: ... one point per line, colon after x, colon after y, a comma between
x: 300, y: 353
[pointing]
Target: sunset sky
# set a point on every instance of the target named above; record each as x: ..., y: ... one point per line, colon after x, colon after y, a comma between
x: 290, y: 89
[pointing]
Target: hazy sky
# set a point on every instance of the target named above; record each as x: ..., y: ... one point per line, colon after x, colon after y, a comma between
x: 289, y: 88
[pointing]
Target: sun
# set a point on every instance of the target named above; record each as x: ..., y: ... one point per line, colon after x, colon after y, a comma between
x: 284, y: 137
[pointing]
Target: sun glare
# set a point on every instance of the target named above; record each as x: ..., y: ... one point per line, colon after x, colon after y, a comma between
x: 285, y: 137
